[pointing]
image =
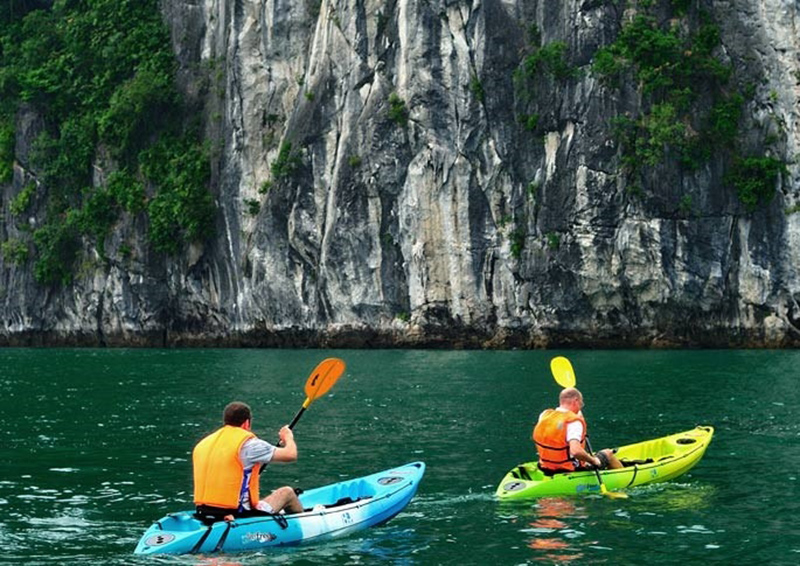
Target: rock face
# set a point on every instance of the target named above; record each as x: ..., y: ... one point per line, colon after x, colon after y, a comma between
x: 400, y: 202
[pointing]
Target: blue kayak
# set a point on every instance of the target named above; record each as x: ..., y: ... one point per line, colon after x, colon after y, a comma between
x: 330, y: 511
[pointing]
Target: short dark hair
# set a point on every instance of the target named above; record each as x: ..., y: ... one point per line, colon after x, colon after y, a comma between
x: 236, y: 413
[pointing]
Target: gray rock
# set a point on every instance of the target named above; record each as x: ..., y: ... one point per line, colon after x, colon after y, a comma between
x: 459, y: 228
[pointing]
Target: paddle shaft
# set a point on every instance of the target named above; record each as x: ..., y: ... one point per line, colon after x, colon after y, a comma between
x: 297, y: 416
x: 596, y: 470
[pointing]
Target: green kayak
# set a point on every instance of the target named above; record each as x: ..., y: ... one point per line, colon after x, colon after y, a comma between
x: 646, y: 462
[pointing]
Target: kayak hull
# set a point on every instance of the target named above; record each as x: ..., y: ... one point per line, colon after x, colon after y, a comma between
x: 651, y: 461
x: 331, y: 511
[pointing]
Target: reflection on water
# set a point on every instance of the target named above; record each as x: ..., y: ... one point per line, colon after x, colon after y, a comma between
x: 551, y: 546
x: 556, y: 529
x: 555, y: 541
x: 552, y: 527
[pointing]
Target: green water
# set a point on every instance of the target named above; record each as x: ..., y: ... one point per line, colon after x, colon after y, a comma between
x: 96, y: 445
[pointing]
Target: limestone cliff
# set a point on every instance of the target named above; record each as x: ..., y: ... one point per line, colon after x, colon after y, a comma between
x: 374, y: 186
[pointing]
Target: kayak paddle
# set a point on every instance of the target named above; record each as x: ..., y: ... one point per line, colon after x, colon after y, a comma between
x: 562, y: 371
x: 327, y: 372
x: 319, y: 382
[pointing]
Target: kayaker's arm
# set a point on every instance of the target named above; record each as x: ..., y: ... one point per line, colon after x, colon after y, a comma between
x: 577, y: 452
x: 287, y: 451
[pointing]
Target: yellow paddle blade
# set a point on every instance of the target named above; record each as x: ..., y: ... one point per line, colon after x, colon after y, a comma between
x: 322, y: 378
x: 612, y: 494
x: 562, y: 371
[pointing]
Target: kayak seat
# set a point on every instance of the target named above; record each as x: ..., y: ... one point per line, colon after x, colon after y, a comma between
x: 545, y: 471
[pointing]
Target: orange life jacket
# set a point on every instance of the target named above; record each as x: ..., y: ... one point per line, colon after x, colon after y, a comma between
x: 219, y: 477
x: 550, y: 436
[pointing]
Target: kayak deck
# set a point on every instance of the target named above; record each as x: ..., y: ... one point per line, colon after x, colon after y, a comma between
x: 651, y: 461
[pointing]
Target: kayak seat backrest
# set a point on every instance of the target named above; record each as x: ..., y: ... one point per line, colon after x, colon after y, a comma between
x: 352, y: 489
x: 207, y: 520
x: 521, y: 473
x: 181, y: 522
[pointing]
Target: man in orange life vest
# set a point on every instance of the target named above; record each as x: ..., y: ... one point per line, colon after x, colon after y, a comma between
x: 560, y: 437
x: 226, y: 468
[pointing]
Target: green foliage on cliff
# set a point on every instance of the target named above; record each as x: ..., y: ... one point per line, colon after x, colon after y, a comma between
x: 22, y: 201
x: 127, y: 191
x: 517, y: 242
x: 398, y: 112
x: 135, y: 107
x: 549, y: 58
x: 287, y: 162
x: 723, y: 119
x: 182, y: 210
x: 14, y: 251
x: 101, y: 75
x: 755, y: 179
x: 57, y: 245
x: 6, y: 149
x: 546, y: 62
x: 476, y: 88
x: 97, y: 216
x: 676, y: 72
x: 688, y: 109
x: 667, y: 62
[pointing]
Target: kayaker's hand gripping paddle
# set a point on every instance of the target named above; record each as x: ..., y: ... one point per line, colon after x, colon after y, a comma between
x: 562, y: 371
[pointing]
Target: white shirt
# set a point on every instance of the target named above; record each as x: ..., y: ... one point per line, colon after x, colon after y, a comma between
x: 256, y: 451
x: 253, y: 451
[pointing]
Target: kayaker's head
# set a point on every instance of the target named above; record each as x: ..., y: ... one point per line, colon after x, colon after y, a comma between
x: 237, y: 414
x: 571, y: 399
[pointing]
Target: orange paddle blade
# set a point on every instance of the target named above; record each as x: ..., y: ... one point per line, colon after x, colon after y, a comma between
x: 322, y: 378
x: 562, y: 371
